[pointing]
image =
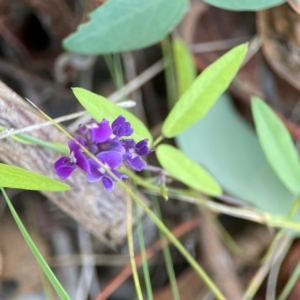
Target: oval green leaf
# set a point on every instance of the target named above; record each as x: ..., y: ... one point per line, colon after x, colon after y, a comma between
x: 14, y: 177
x: 223, y: 140
x: 123, y: 25
x: 277, y: 145
x: 245, y: 4
x: 184, y: 64
x: 182, y: 168
x: 99, y: 107
x: 205, y: 90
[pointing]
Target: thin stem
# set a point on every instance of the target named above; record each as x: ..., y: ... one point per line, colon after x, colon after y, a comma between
x: 279, y: 244
x: 275, y: 268
x: 243, y: 213
x: 119, y: 74
x: 108, y: 58
x: 169, y: 71
x: 158, y: 140
x: 31, y: 140
x: 268, y: 259
x: 290, y: 284
x: 33, y: 230
x: 231, y: 243
x: 47, y: 288
x: 148, y: 211
x: 127, y: 89
x: 143, y: 252
x: 165, y: 248
x: 9, y: 131
x: 167, y: 254
x: 178, y: 245
x: 116, y: 282
x: 56, y: 284
x: 131, y: 250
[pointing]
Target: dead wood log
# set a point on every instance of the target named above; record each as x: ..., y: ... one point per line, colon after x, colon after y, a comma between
x: 101, y: 213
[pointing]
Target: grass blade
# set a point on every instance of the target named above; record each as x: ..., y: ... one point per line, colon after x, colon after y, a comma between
x: 290, y: 284
x: 143, y: 253
x: 43, y: 264
x: 131, y: 250
x: 167, y: 254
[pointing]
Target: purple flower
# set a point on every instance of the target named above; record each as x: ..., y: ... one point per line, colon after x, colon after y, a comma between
x: 110, y: 160
x: 121, y: 128
x: 66, y: 165
x: 134, y: 152
x: 96, y: 132
x: 103, y: 141
x: 111, y: 145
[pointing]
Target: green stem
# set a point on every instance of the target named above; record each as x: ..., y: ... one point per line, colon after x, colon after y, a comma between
x: 257, y: 280
x: 27, y: 139
x: 59, y: 289
x: 170, y: 76
x: 158, y: 140
x: 296, y: 273
x: 167, y: 254
x: 231, y: 243
x: 156, y: 220
x: 143, y: 252
x: 192, y: 197
x: 118, y: 71
x: 131, y: 250
x: 290, y: 284
x: 177, y: 244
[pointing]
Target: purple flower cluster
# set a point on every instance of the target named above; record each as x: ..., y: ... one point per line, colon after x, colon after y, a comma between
x: 110, y: 148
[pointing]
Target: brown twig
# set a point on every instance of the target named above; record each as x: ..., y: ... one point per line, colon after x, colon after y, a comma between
x: 157, y: 246
x: 218, y: 259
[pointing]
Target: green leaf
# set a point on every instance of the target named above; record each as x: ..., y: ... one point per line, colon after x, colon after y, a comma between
x: 229, y: 149
x: 31, y: 140
x: 277, y: 145
x: 185, y: 66
x: 99, y: 107
x: 43, y: 264
x: 204, y: 91
x: 123, y: 25
x: 187, y: 171
x: 14, y: 177
x: 245, y: 4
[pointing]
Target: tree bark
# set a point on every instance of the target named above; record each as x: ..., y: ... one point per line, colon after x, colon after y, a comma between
x: 102, y: 213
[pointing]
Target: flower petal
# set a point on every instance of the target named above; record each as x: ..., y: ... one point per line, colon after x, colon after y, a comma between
x: 108, y: 183
x: 111, y: 145
x: 134, y: 161
x: 101, y: 132
x: 121, y: 128
x: 120, y: 120
x: 128, y: 144
x: 81, y: 161
x: 95, y: 168
x: 73, y: 146
x: 94, y: 177
x: 65, y: 171
x: 82, y: 128
x: 142, y: 148
x: 110, y: 158
x: 62, y: 161
x: 119, y: 175
x: 93, y: 149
